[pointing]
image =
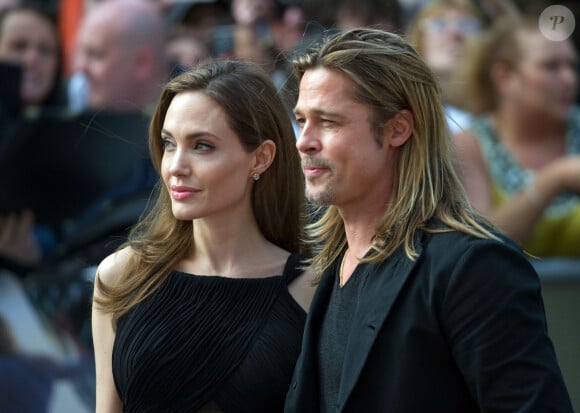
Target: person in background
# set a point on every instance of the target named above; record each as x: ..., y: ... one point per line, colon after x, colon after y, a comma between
x: 322, y: 15
x: 287, y: 27
x: 421, y: 305
x: 440, y: 31
x: 20, y: 242
x: 379, y: 14
x: 521, y: 155
x: 250, y: 32
x: 121, y: 54
x: 186, y: 50
x: 29, y: 39
x: 203, y: 309
x: 197, y: 18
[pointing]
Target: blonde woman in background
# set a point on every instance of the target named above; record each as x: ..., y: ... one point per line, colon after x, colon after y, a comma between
x: 440, y: 31
x: 521, y: 156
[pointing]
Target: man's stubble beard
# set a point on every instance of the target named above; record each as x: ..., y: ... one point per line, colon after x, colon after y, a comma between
x: 324, y: 197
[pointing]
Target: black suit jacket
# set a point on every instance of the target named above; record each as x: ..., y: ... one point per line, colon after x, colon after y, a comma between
x: 460, y: 329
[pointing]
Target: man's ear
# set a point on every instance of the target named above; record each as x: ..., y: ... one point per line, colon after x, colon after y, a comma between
x: 399, y: 128
x: 144, y: 62
x: 263, y: 157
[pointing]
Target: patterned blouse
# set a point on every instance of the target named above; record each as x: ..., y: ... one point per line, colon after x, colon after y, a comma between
x: 557, y: 233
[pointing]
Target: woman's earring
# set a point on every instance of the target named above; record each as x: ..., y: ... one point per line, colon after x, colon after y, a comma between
x: 256, y: 176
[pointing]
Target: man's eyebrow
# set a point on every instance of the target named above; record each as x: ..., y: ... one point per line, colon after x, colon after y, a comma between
x: 320, y: 112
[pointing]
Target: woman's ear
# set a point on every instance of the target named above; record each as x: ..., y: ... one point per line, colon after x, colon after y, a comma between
x: 263, y: 157
x: 399, y: 128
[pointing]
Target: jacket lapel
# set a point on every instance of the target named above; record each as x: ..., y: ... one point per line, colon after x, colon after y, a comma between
x: 382, y: 284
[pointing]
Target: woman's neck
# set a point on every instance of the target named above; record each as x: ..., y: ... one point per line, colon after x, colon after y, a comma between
x: 234, y: 249
x: 517, y: 126
x: 533, y: 142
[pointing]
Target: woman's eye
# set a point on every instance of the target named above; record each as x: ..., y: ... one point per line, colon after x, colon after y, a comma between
x: 166, y: 144
x: 202, y: 146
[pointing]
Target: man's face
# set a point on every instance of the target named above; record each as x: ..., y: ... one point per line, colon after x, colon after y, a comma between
x: 344, y: 162
x: 106, y: 61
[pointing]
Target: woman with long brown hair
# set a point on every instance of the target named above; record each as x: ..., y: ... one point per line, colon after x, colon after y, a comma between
x: 203, y: 309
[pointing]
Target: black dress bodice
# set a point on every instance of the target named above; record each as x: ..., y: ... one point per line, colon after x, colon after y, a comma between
x: 210, y: 343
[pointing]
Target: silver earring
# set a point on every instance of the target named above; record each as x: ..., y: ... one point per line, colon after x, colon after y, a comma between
x: 256, y: 176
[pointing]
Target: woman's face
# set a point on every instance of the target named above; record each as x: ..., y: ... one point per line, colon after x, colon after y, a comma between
x: 444, y: 36
x: 204, y: 167
x: 30, y: 40
x: 546, y: 78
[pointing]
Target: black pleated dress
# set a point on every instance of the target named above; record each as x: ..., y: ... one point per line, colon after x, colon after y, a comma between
x: 210, y: 344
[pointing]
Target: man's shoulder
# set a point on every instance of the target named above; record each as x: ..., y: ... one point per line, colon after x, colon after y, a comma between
x: 453, y: 244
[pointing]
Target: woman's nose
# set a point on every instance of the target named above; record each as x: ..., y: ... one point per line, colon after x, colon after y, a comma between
x: 179, y: 164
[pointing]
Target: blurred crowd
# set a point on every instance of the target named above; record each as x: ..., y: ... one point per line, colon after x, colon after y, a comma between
x: 78, y: 82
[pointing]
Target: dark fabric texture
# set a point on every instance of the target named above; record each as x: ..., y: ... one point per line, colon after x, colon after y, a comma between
x: 211, y: 340
x: 334, y: 336
x: 460, y: 329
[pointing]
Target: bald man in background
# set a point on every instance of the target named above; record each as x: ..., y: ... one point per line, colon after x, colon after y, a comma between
x: 121, y: 54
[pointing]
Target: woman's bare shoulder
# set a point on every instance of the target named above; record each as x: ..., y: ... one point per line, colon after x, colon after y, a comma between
x: 112, y: 266
x: 302, y: 288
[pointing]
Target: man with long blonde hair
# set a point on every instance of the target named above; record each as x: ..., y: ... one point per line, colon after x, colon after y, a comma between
x: 421, y: 305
